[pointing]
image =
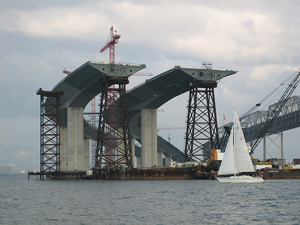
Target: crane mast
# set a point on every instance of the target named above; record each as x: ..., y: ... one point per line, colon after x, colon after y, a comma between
x: 112, y: 40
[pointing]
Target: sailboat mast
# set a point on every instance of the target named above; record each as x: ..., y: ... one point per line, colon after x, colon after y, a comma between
x: 234, y: 142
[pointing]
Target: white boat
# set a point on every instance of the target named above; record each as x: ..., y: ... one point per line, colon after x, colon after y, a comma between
x: 236, y: 166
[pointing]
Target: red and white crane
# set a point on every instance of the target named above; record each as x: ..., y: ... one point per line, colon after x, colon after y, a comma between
x: 66, y: 71
x: 112, y: 40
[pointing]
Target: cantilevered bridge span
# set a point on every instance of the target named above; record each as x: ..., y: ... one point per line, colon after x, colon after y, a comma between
x: 82, y: 85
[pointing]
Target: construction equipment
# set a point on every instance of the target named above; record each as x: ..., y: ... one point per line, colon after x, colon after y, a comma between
x: 66, y: 71
x: 261, y: 162
x: 275, y: 110
x: 112, y: 40
x: 169, y: 128
x: 267, y: 97
x: 271, y: 115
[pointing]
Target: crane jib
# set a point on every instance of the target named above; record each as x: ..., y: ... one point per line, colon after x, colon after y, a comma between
x: 276, y: 110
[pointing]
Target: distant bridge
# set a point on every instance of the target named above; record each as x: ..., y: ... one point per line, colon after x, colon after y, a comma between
x: 289, y: 118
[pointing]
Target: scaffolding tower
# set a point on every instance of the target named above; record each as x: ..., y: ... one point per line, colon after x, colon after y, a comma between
x: 49, y: 131
x: 113, y: 144
x: 202, y: 127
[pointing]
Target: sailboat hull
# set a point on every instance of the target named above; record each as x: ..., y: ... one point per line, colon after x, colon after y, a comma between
x: 240, y: 179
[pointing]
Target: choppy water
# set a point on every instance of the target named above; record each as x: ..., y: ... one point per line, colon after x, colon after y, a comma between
x: 147, y: 202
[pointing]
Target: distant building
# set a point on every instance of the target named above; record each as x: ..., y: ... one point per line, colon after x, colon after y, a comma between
x: 296, y: 161
x: 5, y: 170
x: 19, y: 172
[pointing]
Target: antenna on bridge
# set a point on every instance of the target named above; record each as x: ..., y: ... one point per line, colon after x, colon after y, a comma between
x: 207, y: 65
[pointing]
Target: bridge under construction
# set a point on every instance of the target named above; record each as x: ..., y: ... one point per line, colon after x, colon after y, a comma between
x: 65, y: 135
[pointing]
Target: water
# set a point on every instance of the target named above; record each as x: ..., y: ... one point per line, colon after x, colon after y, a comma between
x: 147, y: 202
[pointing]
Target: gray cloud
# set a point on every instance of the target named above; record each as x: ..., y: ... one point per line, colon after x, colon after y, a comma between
x: 40, y: 38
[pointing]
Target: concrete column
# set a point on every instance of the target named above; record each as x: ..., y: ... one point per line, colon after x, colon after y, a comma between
x: 138, y: 162
x: 167, y: 160
x: 86, y: 154
x: 76, y: 149
x: 63, y: 150
x: 146, y: 153
x: 132, y: 142
x: 154, y: 136
x: 159, y: 159
x: 149, y: 137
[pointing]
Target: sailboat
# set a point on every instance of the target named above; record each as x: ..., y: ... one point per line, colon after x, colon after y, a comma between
x: 236, y: 166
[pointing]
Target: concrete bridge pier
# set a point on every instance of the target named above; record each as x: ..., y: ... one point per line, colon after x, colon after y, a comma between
x: 86, y: 163
x: 132, y: 143
x: 159, y: 159
x: 149, y: 137
x: 167, y: 160
x: 138, y: 162
x: 74, y: 149
x: 63, y: 150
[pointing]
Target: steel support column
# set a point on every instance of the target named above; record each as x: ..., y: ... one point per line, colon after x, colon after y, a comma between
x: 273, y: 141
x: 49, y: 131
x: 202, y: 128
x: 113, y: 144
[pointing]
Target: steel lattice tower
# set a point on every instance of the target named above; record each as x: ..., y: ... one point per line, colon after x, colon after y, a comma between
x: 50, y: 131
x: 202, y: 128
x: 113, y: 145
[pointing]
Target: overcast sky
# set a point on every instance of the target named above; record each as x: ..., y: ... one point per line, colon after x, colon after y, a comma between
x: 259, y: 39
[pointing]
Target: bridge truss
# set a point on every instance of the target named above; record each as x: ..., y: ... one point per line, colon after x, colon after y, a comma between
x: 288, y: 118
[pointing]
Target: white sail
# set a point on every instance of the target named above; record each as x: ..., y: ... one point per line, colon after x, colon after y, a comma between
x: 228, y: 165
x: 242, y: 156
x: 236, y: 158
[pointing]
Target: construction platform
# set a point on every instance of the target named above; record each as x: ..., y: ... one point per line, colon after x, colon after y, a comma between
x: 132, y: 174
x: 156, y: 174
x: 186, y: 174
x: 57, y: 175
x: 281, y: 174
